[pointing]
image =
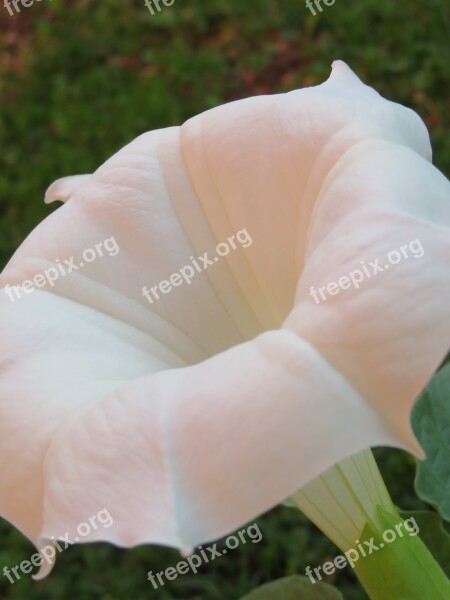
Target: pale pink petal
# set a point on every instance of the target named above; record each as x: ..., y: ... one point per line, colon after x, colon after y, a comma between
x: 388, y: 336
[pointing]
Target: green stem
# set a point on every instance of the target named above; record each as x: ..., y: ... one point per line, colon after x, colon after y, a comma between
x: 351, y: 505
x: 403, y: 569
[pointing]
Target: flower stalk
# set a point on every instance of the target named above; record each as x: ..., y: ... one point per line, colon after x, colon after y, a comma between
x: 351, y: 506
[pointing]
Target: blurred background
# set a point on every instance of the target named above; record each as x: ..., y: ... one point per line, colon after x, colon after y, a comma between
x: 78, y: 80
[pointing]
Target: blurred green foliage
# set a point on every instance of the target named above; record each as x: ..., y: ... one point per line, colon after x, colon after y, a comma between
x: 80, y: 80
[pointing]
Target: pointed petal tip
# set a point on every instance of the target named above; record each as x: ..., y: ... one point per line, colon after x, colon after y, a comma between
x: 411, y: 444
x: 47, y: 564
x: 62, y: 189
x: 341, y: 70
x: 418, y: 452
x: 49, y: 199
x: 339, y: 64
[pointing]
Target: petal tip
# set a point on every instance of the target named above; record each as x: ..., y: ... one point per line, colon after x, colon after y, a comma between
x: 63, y: 188
x: 341, y: 70
x: 47, y: 563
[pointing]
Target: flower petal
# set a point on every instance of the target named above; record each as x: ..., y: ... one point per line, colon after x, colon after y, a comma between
x: 59, y: 357
x: 187, y: 455
x: 390, y: 334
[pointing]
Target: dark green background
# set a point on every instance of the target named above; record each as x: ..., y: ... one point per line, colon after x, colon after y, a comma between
x: 78, y: 80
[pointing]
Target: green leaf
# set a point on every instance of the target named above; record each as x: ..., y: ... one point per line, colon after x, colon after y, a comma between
x: 294, y: 588
x: 433, y: 535
x: 431, y: 424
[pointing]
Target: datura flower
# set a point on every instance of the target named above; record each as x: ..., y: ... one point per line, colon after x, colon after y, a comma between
x: 189, y: 405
